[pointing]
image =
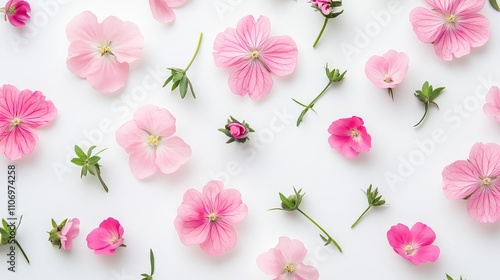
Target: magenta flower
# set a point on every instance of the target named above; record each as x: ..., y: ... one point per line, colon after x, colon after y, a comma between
x: 476, y: 180
x: 149, y: 141
x: 207, y: 218
x: 285, y: 261
x: 16, y: 11
x: 492, y: 106
x: 388, y: 70
x: 106, y: 238
x: 101, y: 52
x: 325, y: 6
x: 349, y: 137
x: 21, y: 112
x: 255, y: 55
x: 237, y: 130
x: 414, y: 245
x: 162, y: 9
x: 453, y: 26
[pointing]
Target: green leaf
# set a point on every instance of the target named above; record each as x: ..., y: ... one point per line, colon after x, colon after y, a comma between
x: 92, y: 169
x: 494, y: 4
x: 286, y: 201
x: 79, y: 152
x: 78, y: 161
x: 174, y: 85
x: 178, y: 76
x: 84, y: 171
x: 94, y: 160
x: 225, y: 131
x: 191, y: 88
x: 152, y: 260
x: 448, y: 277
x: 4, y: 233
x: 89, y: 152
x: 183, y: 85
x: 6, y: 226
x: 54, y: 224
x: 168, y: 81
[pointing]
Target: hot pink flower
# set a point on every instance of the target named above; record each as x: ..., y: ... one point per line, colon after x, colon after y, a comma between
x: 207, y: 218
x: 415, y: 245
x: 101, y: 52
x: 149, y: 141
x: 453, y: 26
x: 492, y: 106
x: 255, y: 55
x: 20, y: 113
x: 106, y: 238
x: 16, y: 11
x: 476, y: 179
x: 323, y: 5
x: 388, y: 70
x: 349, y: 137
x: 162, y: 9
x: 285, y: 261
x: 237, y: 130
x: 69, y: 232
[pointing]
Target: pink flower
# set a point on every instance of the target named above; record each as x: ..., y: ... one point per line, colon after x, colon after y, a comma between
x: 255, y: 55
x: 101, y: 52
x: 149, y: 141
x: 476, y: 180
x: 237, y: 130
x: 349, y: 137
x: 162, y: 9
x: 453, y: 26
x: 285, y: 261
x: 16, y: 11
x: 415, y: 245
x: 388, y: 70
x: 323, y: 5
x: 20, y: 113
x: 492, y: 106
x: 106, y: 238
x: 207, y: 218
x: 69, y: 232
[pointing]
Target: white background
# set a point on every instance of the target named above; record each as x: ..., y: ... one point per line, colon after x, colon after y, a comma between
x: 279, y: 155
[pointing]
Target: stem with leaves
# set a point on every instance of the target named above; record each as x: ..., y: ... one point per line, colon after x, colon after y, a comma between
x: 89, y: 163
x: 427, y: 96
x: 152, y: 269
x: 374, y: 200
x: 8, y: 235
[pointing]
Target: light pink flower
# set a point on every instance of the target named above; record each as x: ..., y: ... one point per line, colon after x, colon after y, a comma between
x: 237, y: 130
x: 415, y: 245
x: 388, y: 70
x: 453, y: 26
x: 323, y: 5
x: 149, y: 141
x: 477, y: 180
x: 492, y: 106
x: 162, y: 9
x: 16, y: 11
x: 69, y: 232
x: 207, y: 218
x: 101, y: 52
x: 255, y: 55
x: 285, y: 261
x: 20, y: 113
x: 349, y: 137
x: 106, y: 238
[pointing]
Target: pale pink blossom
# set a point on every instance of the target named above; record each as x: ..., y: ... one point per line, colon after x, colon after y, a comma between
x: 349, y: 137
x: 21, y: 112
x: 388, y: 70
x: 254, y: 56
x: 162, y: 9
x: 477, y: 180
x: 414, y: 245
x: 285, y: 261
x: 101, y: 52
x: 492, y: 106
x: 106, y: 238
x: 69, y: 232
x: 453, y: 26
x: 16, y: 11
x: 207, y: 218
x: 149, y: 141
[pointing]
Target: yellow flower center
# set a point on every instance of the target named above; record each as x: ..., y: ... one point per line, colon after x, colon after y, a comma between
x: 254, y: 54
x: 153, y: 140
x: 486, y: 182
x: 15, y: 122
x: 451, y: 19
x: 105, y: 49
x: 289, y: 268
x: 114, y: 239
x: 212, y: 217
x: 354, y: 133
x: 12, y: 10
x: 409, y: 249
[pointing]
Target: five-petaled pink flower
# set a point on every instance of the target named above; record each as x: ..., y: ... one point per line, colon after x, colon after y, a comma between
x: 106, y: 238
x: 453, y: 26
x: 16, y: 11
x: 20, y: 113
x: 285, y: 261
x: 255, y: 55
x: 349, y: 136
x: 149, y: 141
x: 414, y: 245
x: 69, y: 232
x: 207, y: 218
x: 162, y: 9
x: 388, y: 70
x: 492, y: 106
x: 101, y: 52
x: 477, y: 180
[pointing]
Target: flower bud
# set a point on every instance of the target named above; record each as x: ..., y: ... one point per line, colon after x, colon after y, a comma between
x: 291, y: 202
x: 236, y: 131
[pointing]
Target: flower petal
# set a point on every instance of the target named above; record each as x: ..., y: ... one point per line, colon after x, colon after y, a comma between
x: 422, y: 234
x: 83, y: 58
x: 84, y: 27
x: 221, y: 238
x: 425, y: 254
x: 108, y: 74
x: 306, y: 272
x: 176, y: 3
x: 162, y: 12
x: 253, y: 33
x: 230, y: 207
x: 191, y: 222
x: 460, y: 179
x: 492, y: 106
x: 210, y: 192
x: 486, y: 158
x: 156, y: 121
x: 399, y: 236
x: 143, y: 162
x: 269, y: 264
x: 452, y: 42
x: 475, y: 28
x: 279, y: 54
x: 229, y: 50
x: 397, y: 65
x: 171, y: 154
x: 251, y: 78
x: 467, y: 7
x: 428, y: 25
x: 131, y: 137
x: 376, y: 69
x: 33, y: 110
x: 17, y: 142
x: 125, y: 40
x: 484, y: 205
x: 293, y: 251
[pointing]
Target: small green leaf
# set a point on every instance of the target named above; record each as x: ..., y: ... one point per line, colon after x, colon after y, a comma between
x: 6, y: 226
x: 92, y: 169
x: 494, y: 4
x: 84, y: 171
x: 287, y: 202
x: 178, y: 76
x: 191, y: 88
x: 94, y: 160
x: 183, y: 85
x: 168, y: 81
x: 79, y: 152
x: 89, y: 152
x: 152, y: 260
x: 78, y: 161
x: 448, y: 277
x: 4, y: 233
x: 54, y: 224
x: 174, y: 85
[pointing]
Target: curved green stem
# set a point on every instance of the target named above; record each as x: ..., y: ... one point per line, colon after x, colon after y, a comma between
x: 22, y: 251
x: 362, y: 215
x: 321, y: 32
x: 195, y: 53
x: 311, y: 105
x: 425, y: 114
x: 324, y: 231
x: 98, y: 169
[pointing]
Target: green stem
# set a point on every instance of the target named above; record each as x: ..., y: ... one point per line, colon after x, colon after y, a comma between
x: 195, y: 53
x: 311, y: 105
x: 362, y: 215
x: 324, y: 231
x: 98, y: 169
x: 22, y: 251
x: 321, y: 32
x: 425, y: 114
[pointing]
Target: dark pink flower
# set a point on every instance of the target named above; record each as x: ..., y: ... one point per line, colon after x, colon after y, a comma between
x: 323, y: 5
x: 349, y: 137
x: 207, y: 218
x: 106, y: 238
x: 452, y: 26
x: 237, y: 130
x: 414, y: 245
x: 492, y: 106
x: 21, y: 112
x: 162, y: 9
x: 16, y: 11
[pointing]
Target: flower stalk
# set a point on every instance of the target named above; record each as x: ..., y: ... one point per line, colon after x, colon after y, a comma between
x: 89, y: 164
x: 374, y: 200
